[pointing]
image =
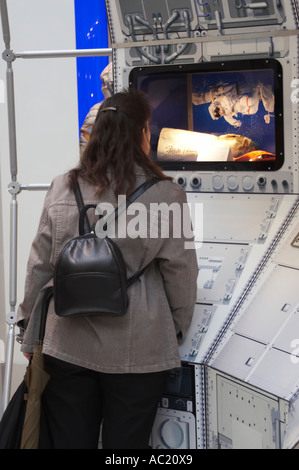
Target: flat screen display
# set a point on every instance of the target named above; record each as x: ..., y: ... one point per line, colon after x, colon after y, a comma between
x: 218, y: 115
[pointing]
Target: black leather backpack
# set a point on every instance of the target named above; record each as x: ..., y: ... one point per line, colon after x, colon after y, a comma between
x: 90, y: 276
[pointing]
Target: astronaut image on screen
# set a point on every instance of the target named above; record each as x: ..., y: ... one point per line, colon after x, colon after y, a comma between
x: 239, y: 102
x: 226, y: 102
x: 232, y: 119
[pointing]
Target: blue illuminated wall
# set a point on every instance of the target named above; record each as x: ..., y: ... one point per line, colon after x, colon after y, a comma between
x: 91, y: 33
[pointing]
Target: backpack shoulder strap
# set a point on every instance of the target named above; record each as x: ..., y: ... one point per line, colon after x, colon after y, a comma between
x: 119, y: 209
x: 135, y: 195
x: 80, y: 204
x: 137, y: 275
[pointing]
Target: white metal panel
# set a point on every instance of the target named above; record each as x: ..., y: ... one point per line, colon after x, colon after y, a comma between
x: 238, y: 356
x: 277, y: 373
x: 237, y: 218
x: 245, y: 416
x: 272, y: 306
x: 288, y: 255
x: 241, y: 416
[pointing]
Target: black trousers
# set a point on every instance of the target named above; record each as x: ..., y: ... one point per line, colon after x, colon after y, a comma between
x: 76, y: 401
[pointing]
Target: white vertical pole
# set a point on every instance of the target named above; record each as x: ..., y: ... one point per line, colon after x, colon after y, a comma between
x: 11, y: 317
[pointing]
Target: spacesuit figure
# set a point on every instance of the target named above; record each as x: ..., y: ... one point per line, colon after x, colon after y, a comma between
x: 227, y: 103
x: 107, y: 90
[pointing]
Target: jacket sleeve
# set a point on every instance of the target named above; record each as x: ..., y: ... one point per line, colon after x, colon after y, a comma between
x: 39, y: 267
x: 179, y: 268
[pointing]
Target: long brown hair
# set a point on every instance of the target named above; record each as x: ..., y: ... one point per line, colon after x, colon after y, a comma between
x: 116, y: 144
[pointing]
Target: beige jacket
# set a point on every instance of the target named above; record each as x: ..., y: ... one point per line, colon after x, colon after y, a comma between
x: 161, y: 302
